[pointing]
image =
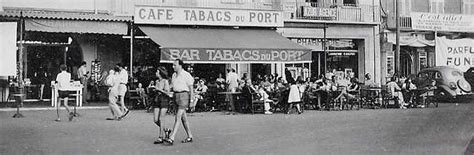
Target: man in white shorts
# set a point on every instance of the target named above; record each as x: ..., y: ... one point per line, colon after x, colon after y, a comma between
x: 113, y: 83
x: 122, y: 88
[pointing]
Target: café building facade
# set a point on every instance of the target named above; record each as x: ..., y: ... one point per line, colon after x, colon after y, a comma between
x: 214, y: 39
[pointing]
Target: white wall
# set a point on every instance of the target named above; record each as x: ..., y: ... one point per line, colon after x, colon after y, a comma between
x: 89, y: 50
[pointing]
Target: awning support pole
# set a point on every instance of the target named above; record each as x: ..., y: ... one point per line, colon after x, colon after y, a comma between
x: 20, y: 54
x: 436, y: 35
x: 397, y: 46
x: 324, y: 51
x: 131, y: 49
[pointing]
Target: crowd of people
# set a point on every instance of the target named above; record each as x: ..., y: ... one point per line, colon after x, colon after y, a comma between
x: 185, y: 93
x: 285, y: 93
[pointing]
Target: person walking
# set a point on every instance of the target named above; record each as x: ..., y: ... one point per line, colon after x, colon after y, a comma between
x: 82, y: 73
x: 294, y: 97
x: 64, y: 81
x: 161, y: 103
x: 182, y: 86
x: 113, y: 83
x: 122, y: 88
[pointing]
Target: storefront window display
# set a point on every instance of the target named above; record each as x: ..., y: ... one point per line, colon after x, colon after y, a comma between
x: 342, y: 55
x: 344, y: 62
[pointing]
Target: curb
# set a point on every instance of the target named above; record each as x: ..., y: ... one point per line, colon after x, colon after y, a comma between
x: 52, y: 108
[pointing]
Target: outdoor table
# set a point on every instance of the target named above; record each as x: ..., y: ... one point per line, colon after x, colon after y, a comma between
x: 373, y: 93
x: 417, y: 98
x: 75, y: 88
x: 230, y: 95
x: 32, y: 91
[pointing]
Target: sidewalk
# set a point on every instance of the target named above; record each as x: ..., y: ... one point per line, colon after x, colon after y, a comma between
x: 46, y: 105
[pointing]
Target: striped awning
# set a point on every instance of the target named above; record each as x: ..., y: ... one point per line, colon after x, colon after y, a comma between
x: 44, y: 14
x: 76, y: 26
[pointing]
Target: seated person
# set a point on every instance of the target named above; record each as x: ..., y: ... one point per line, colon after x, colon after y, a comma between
x: 395, y: 91
x: 428, y: 91
x: 247, y: 91
x: 142, y: 94
x: 349, y: 91
x: 199, y: 93
x: 408, y: 88
x: 221, y: 86
x: 264, y: 97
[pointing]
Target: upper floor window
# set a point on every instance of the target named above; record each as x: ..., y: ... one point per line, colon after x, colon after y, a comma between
x: 468, y: 7
x: 350, y: 2
x: 437, y: 6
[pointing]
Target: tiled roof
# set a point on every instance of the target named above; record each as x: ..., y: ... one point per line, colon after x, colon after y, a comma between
x: 45, y: 14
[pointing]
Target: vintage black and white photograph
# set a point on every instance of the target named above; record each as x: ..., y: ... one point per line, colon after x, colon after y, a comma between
x: 184, y: 77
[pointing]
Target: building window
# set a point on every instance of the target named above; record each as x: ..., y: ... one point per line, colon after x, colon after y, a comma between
x: 468, y: 7
x: 390, y: 63
x: 423, y: 59
x: 405, y: 8
x: 437, y: 6
x: 350, y: 2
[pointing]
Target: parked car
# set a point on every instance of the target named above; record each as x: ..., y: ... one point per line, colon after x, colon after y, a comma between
x: 450, y: 81
x: 469, y: 76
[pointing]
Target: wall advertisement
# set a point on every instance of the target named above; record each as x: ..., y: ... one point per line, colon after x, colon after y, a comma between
x: 206, y: 16
x: 442, y: 22
x: 457, y: 53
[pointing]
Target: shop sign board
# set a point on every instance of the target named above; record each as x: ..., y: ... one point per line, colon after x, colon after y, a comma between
x: 342, y: 53
x: 207, y: 16
x: 442, y: 22
x: 316, y: 44
x: 319, y: 12
x: 311, y: 43
x: 457, y: 53
x: 204, y: 55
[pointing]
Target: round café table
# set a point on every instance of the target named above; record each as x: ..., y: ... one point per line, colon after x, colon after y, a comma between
x: 230, y: 96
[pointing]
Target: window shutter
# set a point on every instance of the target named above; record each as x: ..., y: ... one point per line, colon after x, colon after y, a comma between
x: 437, y: 6
x: 468, y: 6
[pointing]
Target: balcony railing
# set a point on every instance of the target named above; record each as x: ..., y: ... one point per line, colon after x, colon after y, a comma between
x: 342, y: 13
x: 405, y: 22
x: 126, y: 7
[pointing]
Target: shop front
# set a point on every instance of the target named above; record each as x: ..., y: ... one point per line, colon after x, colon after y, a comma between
x: 417, y: 51
x: 338, y: 48
x: 250, y: 45
x: 341, y: 55
x: 49, y: 39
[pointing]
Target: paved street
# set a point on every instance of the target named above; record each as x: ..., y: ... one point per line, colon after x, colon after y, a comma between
x: 445, y: 130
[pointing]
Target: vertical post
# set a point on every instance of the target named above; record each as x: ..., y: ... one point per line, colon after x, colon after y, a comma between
x: 95, y: 7
x: 324, y: 50
x: 436, y: 36
x: 319, y: 64
x: 131, y: 49
x: 20, y: 54
x: 65, y: 56
x: 309, y: 68
x: 397, y: 49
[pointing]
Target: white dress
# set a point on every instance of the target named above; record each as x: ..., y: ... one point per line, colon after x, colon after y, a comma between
x: 294, y: 95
